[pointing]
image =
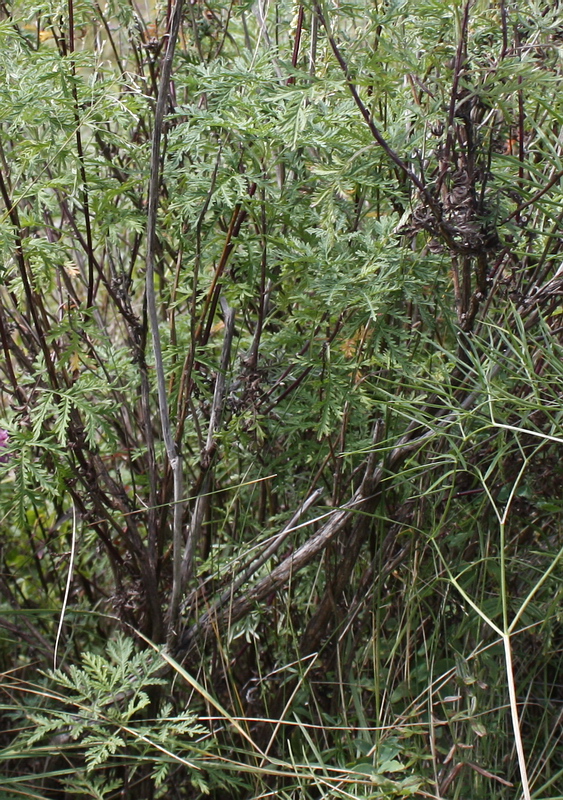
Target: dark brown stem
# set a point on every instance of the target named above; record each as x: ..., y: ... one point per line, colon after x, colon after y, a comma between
x: 458, y: 68
x: 80, y: 152
x: 296, y: 44
x: 504, y: 24
x: 252, y: 357
x: 5, y: 336
x: 33, y: 300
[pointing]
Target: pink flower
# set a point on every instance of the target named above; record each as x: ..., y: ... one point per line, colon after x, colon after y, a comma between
x: 4, y: 438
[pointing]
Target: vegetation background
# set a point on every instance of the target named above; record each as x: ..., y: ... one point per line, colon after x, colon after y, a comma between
x: 281, y: 388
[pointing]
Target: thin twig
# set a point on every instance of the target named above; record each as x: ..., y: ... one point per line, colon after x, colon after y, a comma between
x: 279, y: 576
x: 209, y: 450
x: 375, y: 132
x: 68, y: 585
x: 552, y: 181
x: 172, y: 452
x: 254, y: 566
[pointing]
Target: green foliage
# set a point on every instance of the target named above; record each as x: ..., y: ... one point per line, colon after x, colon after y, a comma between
x: 99, y: 710
x: 372, y: 192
